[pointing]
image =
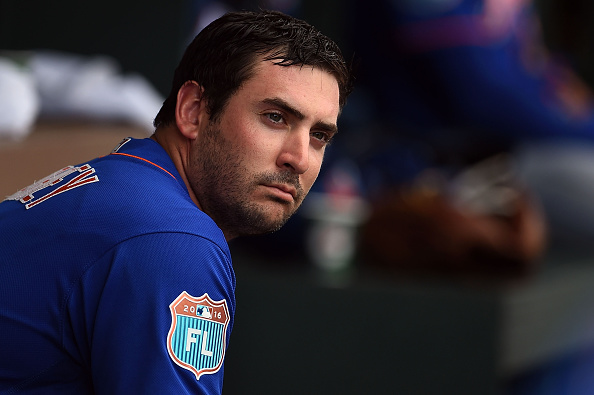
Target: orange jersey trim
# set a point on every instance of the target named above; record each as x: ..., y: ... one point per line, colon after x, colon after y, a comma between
x: 148, y: 161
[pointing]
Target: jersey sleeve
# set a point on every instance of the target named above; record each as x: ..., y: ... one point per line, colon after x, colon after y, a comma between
x: 158, y: 312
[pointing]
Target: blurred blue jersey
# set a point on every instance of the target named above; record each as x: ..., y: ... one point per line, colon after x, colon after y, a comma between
x: 456, y: 81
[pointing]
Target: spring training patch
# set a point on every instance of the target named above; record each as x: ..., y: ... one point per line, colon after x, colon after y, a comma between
x: 85, y: 174
x: 197, y: 337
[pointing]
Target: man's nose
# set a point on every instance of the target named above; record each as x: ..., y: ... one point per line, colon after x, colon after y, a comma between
x: 295, y: 152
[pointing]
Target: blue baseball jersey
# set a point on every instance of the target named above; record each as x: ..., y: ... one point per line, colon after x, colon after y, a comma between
x: 113, y: 282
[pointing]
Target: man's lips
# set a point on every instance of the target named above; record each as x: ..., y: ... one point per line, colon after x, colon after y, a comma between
x: 286, y: 191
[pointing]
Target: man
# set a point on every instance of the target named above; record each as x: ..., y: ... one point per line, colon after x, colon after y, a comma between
x: 117, y: 274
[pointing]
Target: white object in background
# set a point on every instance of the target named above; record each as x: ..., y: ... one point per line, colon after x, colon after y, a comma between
x: 81, y: 87
x: 332, y: 236
x: 19, y: 103
x: 335, y: 215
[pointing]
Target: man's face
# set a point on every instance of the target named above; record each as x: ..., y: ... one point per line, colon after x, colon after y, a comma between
x: 251, y: 170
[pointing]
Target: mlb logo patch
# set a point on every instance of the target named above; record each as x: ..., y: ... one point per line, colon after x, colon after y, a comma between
x: 196, y: 339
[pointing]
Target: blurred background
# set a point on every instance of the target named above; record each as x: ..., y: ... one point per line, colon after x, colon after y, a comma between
x: 446, y: 247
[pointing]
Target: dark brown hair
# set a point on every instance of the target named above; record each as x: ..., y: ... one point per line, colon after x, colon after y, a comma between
x: 223, y: 55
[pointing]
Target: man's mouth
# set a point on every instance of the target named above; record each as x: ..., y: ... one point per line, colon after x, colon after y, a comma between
x: 283, y: 191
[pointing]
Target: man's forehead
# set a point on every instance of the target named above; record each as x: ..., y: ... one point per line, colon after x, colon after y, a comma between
x: 280, y: 80
x: 264, y: 65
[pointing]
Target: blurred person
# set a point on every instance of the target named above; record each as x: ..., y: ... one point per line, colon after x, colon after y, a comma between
x: 483, y: 149
x: 471, y: 77
x: 460, y: 82
x: 118, y: 276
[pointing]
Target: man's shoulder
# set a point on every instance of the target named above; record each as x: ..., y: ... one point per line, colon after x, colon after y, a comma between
x: 110, y: 199
x: 139, y: 204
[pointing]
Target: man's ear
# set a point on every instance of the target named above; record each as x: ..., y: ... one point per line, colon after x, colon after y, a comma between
x: 190, y: 109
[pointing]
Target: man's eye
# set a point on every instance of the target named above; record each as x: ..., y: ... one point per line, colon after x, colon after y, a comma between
x: 275, y: 117
x: 322, y: 136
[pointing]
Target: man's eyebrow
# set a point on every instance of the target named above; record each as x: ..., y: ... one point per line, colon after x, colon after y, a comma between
x: 282, y: 104
x: 327, y: 127
x: 285, y: 106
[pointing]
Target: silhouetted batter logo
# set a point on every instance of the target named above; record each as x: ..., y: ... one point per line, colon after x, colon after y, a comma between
x: 196, y: 340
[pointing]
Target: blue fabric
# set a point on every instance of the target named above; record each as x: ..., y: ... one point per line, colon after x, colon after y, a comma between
x: 89, y: 274
x: 458, y: 77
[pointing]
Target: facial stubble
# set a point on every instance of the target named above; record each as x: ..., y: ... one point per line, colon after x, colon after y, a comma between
x: 225, y: 185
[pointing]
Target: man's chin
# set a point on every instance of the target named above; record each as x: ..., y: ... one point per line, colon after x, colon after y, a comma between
x: 268, y: 226
x: 265, y: 219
